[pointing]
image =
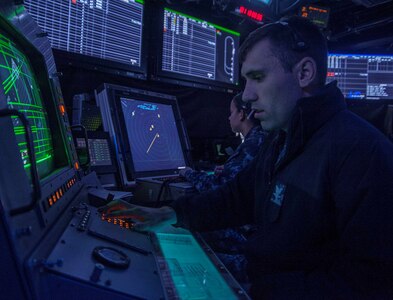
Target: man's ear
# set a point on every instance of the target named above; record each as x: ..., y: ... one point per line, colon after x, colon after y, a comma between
x: 306, y: 71
x: 243, y: 115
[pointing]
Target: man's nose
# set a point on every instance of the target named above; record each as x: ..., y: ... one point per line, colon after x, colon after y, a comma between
x: 250, y: 99
x: 248, y: 94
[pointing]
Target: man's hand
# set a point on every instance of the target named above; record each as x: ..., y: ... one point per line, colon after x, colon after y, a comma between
x: 144, y: 218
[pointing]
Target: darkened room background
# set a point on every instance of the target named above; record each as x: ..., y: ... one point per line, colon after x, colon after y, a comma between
x: 205, y: 110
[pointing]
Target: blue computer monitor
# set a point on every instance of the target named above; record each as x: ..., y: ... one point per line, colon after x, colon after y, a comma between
x: 147, y: 131
x: 153, y: 135
x: 105, y: 35
x: 362, y: 76
x: 194, y: 51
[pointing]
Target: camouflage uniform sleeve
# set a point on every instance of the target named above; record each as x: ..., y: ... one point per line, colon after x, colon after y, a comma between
x: 243, y: 155
x: 202, y: 181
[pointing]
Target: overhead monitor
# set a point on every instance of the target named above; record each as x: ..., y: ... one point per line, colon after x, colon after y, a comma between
x: 105, y: 34
x: 362, y: 76
x: 316, y: 14
x: 24, y: 86
x: 196, y: 51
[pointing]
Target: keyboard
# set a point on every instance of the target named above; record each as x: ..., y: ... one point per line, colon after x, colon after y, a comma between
x: 171, y: 179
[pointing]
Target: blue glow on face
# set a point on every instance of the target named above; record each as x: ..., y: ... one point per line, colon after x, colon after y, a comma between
x: 147, y: 106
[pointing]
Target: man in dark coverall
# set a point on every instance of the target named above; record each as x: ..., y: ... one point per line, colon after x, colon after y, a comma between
x: 320, y: 191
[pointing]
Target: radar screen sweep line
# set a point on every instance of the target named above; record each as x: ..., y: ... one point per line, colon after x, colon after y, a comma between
x: 152, y: 142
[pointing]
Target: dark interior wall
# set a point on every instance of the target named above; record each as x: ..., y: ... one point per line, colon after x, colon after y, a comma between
x: 377, y: 112
x: 205, y: 112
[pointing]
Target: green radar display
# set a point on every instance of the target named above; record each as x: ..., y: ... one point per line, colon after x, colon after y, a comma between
x: 19, y: 90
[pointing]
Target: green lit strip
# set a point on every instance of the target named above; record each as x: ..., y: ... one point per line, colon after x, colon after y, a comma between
x: 43, y: 144
x: 11, y: 55
x: 5, y: 67
x: 35, y: 147
x: 30, y: 115
x: 25, y: 104
x: 203, y: 21
x: 38, y: 161
x: 40, y: 153
x: 22, y: 129
x: 36, y: 117
x: 19, y: 131
x: 44, y: 129
x: 6, y: 43
x: 140, y: 1
x: 31, y: 111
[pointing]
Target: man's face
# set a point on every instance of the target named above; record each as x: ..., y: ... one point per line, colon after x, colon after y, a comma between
x: 272, y: 90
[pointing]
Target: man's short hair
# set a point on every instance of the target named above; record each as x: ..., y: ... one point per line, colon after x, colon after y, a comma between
x: 292, y: 39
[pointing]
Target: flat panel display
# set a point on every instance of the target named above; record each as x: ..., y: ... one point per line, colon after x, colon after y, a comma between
x: 152, y: 134
x: 316, y: 14
x: 196, y: 50
x: 110, y: 30
x: 100, y: 154
x: 362, y: 76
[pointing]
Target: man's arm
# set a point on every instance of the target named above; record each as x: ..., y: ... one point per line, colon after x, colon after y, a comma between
x: 238, y: 161
x: 231, y: 204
